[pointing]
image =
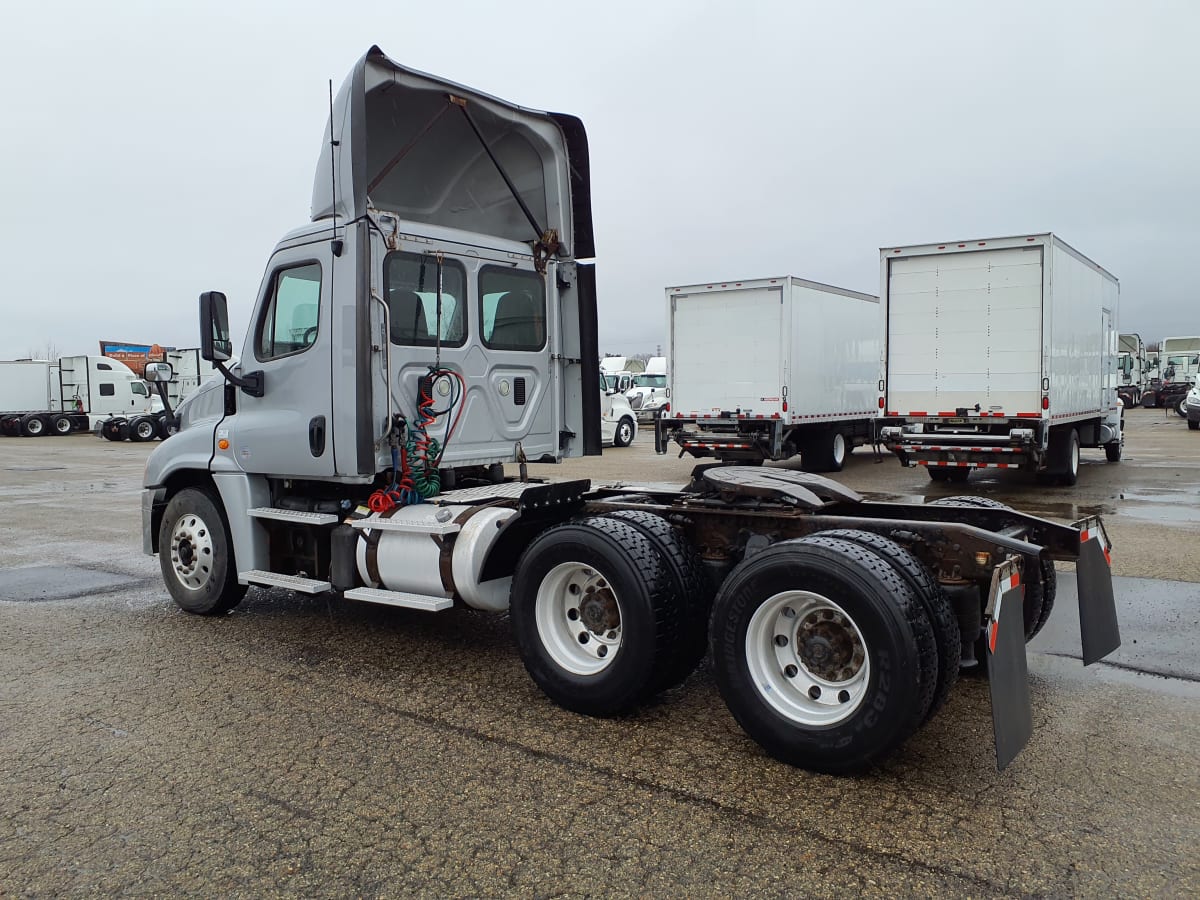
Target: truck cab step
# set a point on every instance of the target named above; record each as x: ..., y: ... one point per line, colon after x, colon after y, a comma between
x: 297, y: 516
x: 400, y: 598
x: 276, y: 579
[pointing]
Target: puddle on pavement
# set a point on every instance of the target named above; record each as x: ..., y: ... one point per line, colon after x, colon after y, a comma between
x: 33, y: 584
x: 33, y: 468
x: 64, y: 487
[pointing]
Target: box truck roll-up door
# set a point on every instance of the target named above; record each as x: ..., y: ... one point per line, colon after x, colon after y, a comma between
x: 965, y: 329
x: 727, y: 351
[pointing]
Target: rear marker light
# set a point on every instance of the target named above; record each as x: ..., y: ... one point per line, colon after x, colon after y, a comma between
x: 1045, y: 403
x: 881, y: 403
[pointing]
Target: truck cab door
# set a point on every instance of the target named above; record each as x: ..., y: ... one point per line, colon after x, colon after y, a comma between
x: 288, y: 430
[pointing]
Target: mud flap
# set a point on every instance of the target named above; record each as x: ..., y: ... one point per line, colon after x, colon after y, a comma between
x: 1097, y: 605
x: 1008, y: 672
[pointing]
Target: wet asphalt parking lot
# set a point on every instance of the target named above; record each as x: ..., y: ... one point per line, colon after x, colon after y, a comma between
x: 321, y: 747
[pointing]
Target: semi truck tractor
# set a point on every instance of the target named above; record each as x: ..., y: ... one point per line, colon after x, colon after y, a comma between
x: 1133, y: 368
x: 74, y: 393
x: 998, y: 354
x: 1179, y: 367
x: 436, y: 319
x: 767, y: 368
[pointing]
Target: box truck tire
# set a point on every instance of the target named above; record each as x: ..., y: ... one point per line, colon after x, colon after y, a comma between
x: 196, y: 555
x: 956, y: 474
x: 596, y: 616
x: 1063, y: 456
x: 824, y: 452
x: 816, y: 648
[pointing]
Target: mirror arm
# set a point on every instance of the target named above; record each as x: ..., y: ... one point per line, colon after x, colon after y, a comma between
x: 251, y: 382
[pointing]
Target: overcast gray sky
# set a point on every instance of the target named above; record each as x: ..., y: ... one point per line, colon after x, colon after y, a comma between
x: 152, y: 151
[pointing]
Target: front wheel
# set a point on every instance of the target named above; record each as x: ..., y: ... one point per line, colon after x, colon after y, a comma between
x: 817, y: 652
x: 195, y: 553
x: 624, y: 434
x: 1181, y: 407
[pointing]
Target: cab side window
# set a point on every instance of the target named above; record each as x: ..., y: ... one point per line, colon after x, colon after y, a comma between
x: 289, y: 324
x: 513, y: 309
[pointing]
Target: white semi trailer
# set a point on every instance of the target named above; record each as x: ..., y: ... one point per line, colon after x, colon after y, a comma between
x: 998, y: 353
x: 436, y: 319
x: 767, y: 368
x: 75, y: 393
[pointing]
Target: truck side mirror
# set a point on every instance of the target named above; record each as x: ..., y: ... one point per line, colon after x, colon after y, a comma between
x: 215, y: 345
x: 158, y: 371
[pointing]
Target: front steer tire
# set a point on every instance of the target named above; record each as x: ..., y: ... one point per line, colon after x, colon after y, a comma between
x: 195, y: 553
x: 596, y: 616
x: 856, y: 688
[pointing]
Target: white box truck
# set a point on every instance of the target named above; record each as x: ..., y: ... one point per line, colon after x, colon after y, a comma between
x: 771, y: 367
x: 73, y: 394
x: 1133, y: 368
x: 998, y: 353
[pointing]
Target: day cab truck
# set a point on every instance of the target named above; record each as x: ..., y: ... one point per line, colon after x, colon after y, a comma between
x: 1134, y: 369
x: 767, y: 368
x: 436, y: 319
x: 74, y: 393
x: 998, y: 354
x: 1179, y: 368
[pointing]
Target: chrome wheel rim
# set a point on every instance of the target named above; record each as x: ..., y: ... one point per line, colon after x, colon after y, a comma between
x: 191, y: 551
x: 807, y: 658
x: 62, y: 426
x: 145, y: 430
x: 578, y: 618
x: 839, y: 448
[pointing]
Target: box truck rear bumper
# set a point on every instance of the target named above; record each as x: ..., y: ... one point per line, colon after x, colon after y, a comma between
x: 965, y: 456
x: 729, y: 438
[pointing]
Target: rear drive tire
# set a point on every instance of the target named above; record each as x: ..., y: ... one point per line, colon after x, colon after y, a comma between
x: 1040, y: 590
x: 115, y: 429
x: 945, y: 634
x: 33, y: 425
x: 62, y: 425
x: 595, y: 615
x: 142, y: 429
x: 195, y: 553
x: 816, y: 653
x: 691, y: 584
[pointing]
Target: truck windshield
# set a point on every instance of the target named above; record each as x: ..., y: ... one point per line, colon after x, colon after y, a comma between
x: 651, y: 381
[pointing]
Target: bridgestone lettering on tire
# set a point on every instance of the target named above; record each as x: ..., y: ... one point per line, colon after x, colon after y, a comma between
x: 816, y: 653
x: 945, y: 633
x: 691, y: 584
x: 625, y: 598
x: 195, y: 554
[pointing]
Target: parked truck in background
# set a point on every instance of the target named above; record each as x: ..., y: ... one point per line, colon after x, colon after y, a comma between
x: 771, y: 367
x: 1179, y: 368
x: 436, y: 319
x: 74, y: 393
x: 1133, y: 367
x: 998, y: 353
x: 649, y: 396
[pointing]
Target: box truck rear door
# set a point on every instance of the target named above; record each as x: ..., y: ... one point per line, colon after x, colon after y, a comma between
x: 964, y: 329
x: 726, y: 351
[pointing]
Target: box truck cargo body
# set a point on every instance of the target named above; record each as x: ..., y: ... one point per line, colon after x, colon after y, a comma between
x: 74, y: 394
x: 767, y: 368
x: 1133, y: 370
x: 998, y: 353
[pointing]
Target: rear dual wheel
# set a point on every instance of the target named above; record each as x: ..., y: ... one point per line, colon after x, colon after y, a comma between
x: 825, y: 451
x: 823, y: 653
x: 599, y: 616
